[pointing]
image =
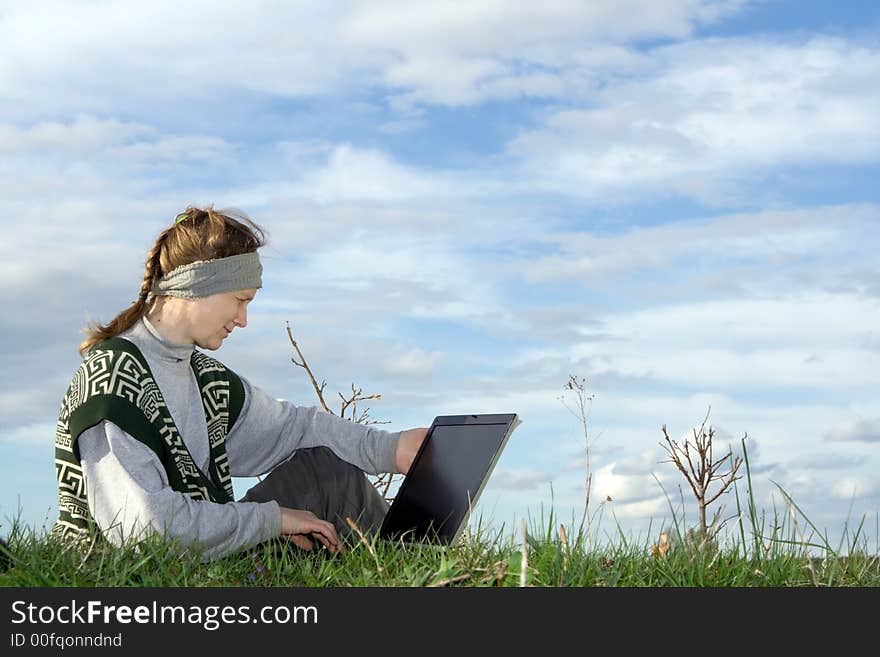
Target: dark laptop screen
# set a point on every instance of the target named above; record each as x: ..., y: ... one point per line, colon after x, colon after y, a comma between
x: 445, y: 479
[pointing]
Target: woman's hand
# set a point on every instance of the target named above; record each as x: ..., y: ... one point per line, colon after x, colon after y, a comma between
x: 297, y: 524
x: 408, y: 446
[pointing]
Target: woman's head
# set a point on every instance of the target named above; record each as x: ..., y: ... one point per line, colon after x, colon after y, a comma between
x: 205, y: 236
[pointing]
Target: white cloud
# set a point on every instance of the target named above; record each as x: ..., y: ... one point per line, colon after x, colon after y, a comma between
x: 652, y: 508
x: 706, y: 114
x: 39, y: 433
x: 850, y: 487
x: 505, y: 479
x: 498, y: 392
x: 856, y: 429
x: 623, y: 489
x: 451, y: 53
x: 82, y: 135
x: 709, y: 368
x: 705, y: 247
x: 367, y: 175
x: 829, y: 461
x: 407, y: 273
x: 87, y: 160
x: 120, y: 54
x: 502, y: 25
x: 414, y: 362
x: 740, y: 343
x: 694, y: 118
x: 177, y: 150
x: 86, y: 136
x: 439, y: 52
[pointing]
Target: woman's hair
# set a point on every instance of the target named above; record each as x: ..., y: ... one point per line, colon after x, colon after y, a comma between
x: 197, y: 234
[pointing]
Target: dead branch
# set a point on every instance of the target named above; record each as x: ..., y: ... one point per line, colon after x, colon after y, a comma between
x: 584, y: 403
x: 701, y: 470
x: 348, y: 404
x: 357, y: 395
x: 303, y: 364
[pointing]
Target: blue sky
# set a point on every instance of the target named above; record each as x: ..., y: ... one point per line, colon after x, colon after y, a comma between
x: 468, y: 202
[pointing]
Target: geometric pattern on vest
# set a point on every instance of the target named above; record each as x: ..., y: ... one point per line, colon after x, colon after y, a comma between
x: 114, y: 382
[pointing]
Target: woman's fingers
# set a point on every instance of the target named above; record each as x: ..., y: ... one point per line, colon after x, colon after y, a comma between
x: 326, y: 533
x: 301, y: 541
x: 298, y: 524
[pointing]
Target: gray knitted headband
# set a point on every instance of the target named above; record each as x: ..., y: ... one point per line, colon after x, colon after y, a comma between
x: 207, y: 277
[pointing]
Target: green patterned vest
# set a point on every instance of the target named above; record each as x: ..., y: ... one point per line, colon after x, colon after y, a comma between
x: 114, y: 383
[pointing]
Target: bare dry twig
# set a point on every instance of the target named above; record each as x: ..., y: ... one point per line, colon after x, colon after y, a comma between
x: 303, y: 364
x: 701, y: 471
x: 348, y: 405
x: 357, y: 395
x: 563, y: 538
x: 584, y: 402
x: 450, y: 580
x: 354, y: 526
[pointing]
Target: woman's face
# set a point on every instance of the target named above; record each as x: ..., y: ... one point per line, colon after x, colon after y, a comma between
x: 211, y: 319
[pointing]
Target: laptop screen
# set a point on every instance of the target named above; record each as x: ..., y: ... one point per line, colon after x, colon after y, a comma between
x: 446, y: 479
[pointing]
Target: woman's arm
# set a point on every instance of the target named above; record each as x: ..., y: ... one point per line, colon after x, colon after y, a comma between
x: 268, y: 431
x: 130, y: 497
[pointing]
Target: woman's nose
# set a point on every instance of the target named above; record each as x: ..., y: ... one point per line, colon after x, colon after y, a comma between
x: 241, y: 318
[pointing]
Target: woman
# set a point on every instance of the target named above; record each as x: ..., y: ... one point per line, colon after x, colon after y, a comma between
x: 151, y: 429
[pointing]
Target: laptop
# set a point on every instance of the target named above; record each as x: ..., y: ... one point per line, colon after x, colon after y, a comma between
x: 447, y: 476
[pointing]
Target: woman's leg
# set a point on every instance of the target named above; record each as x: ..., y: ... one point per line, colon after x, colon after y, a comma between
x: 317, y: 480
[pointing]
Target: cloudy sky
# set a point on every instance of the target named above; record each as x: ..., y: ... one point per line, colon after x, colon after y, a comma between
x: 467, y: 203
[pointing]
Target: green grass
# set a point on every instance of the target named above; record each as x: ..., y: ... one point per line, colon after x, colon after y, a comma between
x: 772, y: 559
x: 750, y: 549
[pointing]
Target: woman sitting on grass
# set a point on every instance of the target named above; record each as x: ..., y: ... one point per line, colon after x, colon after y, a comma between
x: 152, y: 430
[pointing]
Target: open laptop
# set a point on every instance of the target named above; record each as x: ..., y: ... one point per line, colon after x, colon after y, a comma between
x: 447, y: 476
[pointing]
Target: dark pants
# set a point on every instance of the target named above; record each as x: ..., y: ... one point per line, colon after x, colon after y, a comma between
x: 317, y: 480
